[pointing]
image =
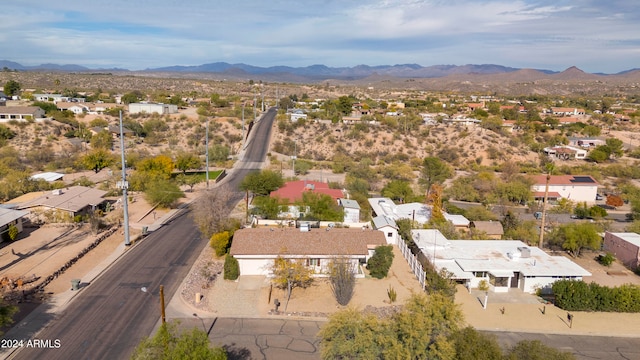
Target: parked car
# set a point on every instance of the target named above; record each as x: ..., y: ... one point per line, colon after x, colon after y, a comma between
x: 599, y: 197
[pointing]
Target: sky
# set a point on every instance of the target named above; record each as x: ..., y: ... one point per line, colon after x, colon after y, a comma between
x: 594, y: 35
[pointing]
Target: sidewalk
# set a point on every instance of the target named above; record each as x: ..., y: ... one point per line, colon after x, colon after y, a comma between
x: 531, y: 316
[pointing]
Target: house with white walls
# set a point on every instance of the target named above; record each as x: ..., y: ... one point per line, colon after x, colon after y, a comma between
x: 503, y: 264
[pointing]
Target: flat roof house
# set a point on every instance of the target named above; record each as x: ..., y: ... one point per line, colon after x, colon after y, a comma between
x: 504, y: 264
x: 625, y: 246
x: 150, y: 108
x: 10, y: 217
x: 257, y: 248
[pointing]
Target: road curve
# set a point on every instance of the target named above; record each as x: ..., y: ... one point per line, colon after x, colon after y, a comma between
x: 108, y: 318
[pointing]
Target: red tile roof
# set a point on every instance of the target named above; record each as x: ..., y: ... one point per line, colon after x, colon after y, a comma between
x: 293, y: 190
x: 291, y: 241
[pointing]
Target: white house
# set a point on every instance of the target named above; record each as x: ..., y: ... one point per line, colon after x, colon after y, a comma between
x: 150, y: 108
x: 566, y: 152
x: 504, y: 264
x: 351, y: 210
x: 20, y: 113
x: 9, y: 217
x: 74, y: 107
x: 257, y: 248
x: 297, y: 115
x: 418, y: 212
x: 388, y: 227
x: 577, y: 188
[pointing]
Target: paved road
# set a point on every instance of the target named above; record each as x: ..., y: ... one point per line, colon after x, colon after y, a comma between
x: 285, y: 339
x: 109, y: 318
x: 583, y: 347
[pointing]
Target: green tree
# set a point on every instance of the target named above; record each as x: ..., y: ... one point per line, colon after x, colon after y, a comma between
x: 344, y: 104
x: 169, y: 343
x: 380, y: 263
x: 162, y: 192
x: 189, y: 180
x: 102, y: 140
x: 132, y: 97
x: 615, y: 147
x: 289, y: 274
x: 574, y: 237
x: 421, y: 330
x: 187, y: 161
x: 434, y: 171
x: 218, y: 153
x: 598, y: 155
x: 320, y: 207
x: 12, y: 87
x: 471, y: 344
x: 97, y: 160
x: 263, y: 182
x: 268, y: 207
x: 351, y: 334
x: 398, y: 190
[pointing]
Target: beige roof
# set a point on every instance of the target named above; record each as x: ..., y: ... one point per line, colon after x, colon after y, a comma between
x: 291, y: 241
x: 19, y: 110
x: 489, y: 227
x: 73, y: 198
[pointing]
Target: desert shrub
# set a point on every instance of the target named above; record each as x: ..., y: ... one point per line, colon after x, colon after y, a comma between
x: 220, y: 242
x: 380, y: 263
x: 231, y: 268
x: 392, y: 294
x: 342, y: 280
x: 606, y: 259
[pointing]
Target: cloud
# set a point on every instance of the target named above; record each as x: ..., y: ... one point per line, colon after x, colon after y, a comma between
x: 596, y: 36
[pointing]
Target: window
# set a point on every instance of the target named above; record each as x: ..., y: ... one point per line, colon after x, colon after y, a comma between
x: 389, y: 234
x: 313, y: 262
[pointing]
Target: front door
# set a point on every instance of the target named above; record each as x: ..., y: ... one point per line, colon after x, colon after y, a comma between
x: 515, y: 279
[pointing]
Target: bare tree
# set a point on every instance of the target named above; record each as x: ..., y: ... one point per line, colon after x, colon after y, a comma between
x: 211, y: 211
x: 342, y: 279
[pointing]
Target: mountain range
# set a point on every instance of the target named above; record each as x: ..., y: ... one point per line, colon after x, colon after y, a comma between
x: 319, y: 72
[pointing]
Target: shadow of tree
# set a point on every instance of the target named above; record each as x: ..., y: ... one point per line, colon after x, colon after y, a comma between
x: 237, y: 353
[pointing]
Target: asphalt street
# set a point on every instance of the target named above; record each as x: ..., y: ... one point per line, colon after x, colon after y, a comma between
x: 293, y: 339
x: 108, y: 318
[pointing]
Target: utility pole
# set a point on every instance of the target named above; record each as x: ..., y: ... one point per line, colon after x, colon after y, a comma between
x: 544, y: 210
x: 293, y: 158
x: 206, y: 142
x: 162, y: 311
x: 262, y: 93
x: 124, y: 185
x: 243, y: 136
x: 254, y: 107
